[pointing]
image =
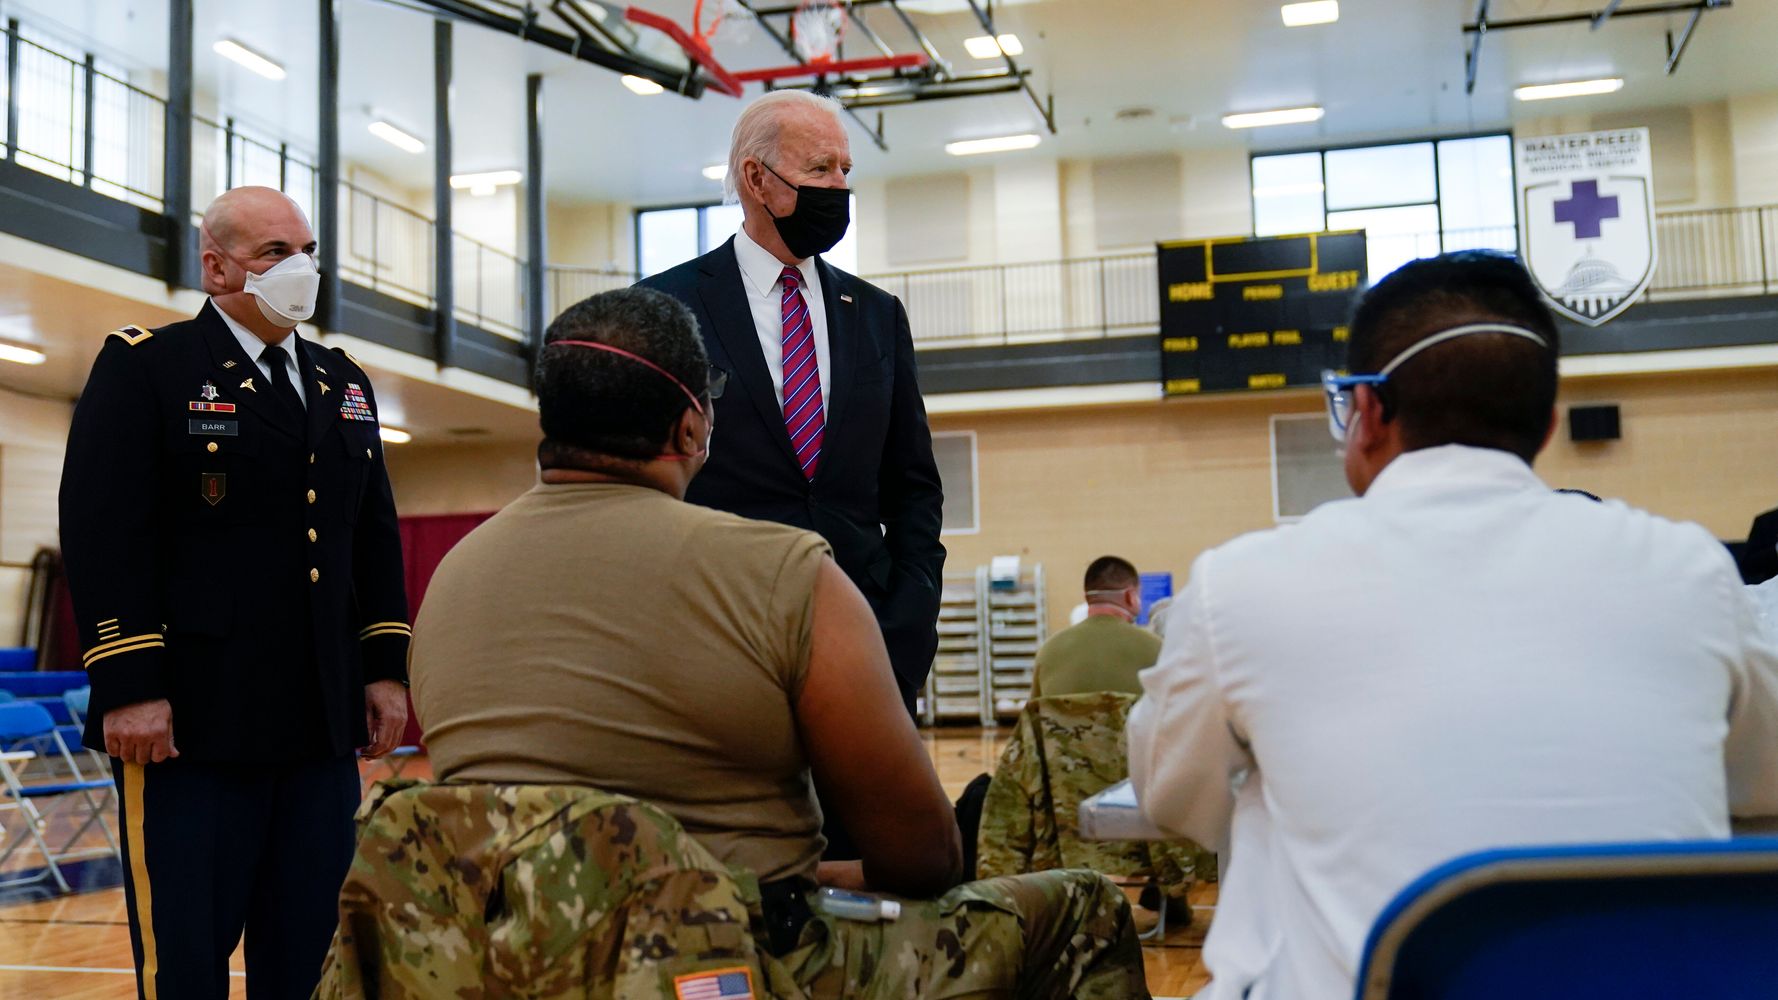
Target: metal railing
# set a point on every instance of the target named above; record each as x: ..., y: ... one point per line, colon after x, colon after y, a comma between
x: 1029, y: 303
x: 385, y: 247
x: 1725, y: 251
x: 226, y: 155
x: 567, y: 285
x: 1702, y: 254
x: 69, y: 119
x: 490, y: 288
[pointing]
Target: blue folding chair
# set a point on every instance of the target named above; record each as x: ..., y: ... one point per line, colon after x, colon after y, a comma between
x: 78, y: 701
x: 1624, y: 921
x: 31, y: 733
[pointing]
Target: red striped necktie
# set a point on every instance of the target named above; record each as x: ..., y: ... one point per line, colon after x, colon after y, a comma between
x: 803, y: 415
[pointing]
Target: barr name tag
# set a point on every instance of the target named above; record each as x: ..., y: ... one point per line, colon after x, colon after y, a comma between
x: 223, y: 428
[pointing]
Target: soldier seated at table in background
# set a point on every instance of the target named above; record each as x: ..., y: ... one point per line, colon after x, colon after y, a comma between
x: 601, y: 632
x: 1108, y: 649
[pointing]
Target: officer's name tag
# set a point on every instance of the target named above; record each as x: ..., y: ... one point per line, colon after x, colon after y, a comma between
x: 224, y: 428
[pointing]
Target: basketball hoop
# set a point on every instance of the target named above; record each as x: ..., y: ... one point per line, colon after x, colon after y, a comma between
x: 817, y: 29
x: 706, y: 18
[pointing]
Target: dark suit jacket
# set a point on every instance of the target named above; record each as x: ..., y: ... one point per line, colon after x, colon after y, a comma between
x: 231, y: 555
x: 1759, y: 560
x: 876, y: 497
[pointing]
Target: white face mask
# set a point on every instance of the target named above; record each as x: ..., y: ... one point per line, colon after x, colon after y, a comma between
x: 286, y: 292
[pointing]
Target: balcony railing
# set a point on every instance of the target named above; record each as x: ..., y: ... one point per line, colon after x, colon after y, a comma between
x: 73, y: 121
x: 84, y: 126
x: 568, y: 285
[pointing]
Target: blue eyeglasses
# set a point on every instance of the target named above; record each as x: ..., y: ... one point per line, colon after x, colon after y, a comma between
x: 1340, y: 388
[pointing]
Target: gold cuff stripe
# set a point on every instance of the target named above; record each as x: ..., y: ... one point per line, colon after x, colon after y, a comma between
x: 404, y: 633
x: 136, y: 844
x: 108, y: 621
x: 105, y: 646
x: 382, y: 626
x: 93, y: 661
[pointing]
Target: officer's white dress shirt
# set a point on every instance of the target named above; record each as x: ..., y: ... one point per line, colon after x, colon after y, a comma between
x: 762, y: 275
x: 254, y: 347
x: 1460, y: 660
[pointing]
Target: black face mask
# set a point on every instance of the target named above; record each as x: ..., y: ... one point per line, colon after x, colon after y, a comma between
x: 819, y: 220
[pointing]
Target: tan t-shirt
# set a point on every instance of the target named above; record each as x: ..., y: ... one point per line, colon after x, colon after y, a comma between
x: 611, y: 636
x: 1102, y: 653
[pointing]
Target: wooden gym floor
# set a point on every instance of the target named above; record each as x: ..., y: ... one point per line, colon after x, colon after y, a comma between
x: 78, y: 947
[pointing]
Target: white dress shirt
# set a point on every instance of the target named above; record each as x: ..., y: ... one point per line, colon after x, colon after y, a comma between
x: 762, y: 276
x: 1460, y: 660
x: 254, y: 347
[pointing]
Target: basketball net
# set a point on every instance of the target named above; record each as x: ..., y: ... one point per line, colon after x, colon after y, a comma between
x: 817, y: 28
x: 706, y: 19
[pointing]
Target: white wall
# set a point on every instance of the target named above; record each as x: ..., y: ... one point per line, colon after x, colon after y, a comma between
x: 33, y: 432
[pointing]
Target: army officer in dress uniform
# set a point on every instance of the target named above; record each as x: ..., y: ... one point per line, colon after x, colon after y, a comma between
x: 233, y: 554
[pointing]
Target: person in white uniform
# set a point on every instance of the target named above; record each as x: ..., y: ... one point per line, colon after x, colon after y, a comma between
x: 1459, y: 659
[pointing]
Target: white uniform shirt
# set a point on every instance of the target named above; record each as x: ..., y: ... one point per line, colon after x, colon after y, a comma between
x: 254, y: 347
x: 762, y: 275
x: 1460, y: 660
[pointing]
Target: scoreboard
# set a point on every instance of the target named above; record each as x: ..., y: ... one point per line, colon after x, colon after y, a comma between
x: 1267, y: 313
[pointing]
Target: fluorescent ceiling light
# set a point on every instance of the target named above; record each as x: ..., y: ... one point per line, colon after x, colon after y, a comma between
x: 394, y: 435
x: 1288, y: 190
x: 1576, y: 88
x: 645, y: 88
x: 1001, y: 144
x: 1297, y: 15
x: 989, y: 47
x: 20, y: 355
x: 396, y: 137
x: 230, y: 49
x: 483, y: 184
x: 716, y: 171
x: 1284, y: 116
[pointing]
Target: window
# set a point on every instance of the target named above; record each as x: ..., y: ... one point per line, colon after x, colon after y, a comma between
x: 954, y: 454
x: 666, y: 237
x: 1414, y: 199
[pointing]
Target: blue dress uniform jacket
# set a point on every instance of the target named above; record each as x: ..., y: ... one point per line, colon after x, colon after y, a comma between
x: 227, y: 552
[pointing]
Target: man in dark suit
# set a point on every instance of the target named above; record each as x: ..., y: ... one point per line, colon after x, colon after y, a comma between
x: 823, y: 426
x: 235, y: 565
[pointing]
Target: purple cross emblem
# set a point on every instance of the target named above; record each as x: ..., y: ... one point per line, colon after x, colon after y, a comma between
x: 1586, y: 209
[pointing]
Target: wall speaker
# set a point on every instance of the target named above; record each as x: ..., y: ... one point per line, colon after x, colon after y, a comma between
x: 1593, y: 423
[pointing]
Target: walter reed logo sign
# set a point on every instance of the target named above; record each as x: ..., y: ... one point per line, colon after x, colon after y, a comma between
x: 1586, y: 211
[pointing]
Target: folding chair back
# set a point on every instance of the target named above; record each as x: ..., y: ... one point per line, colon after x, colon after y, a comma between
x: 1626, y: 921
x: 78, y: 701
x: 27, y: 730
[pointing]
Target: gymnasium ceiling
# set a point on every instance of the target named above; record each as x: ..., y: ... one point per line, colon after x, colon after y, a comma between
x: 1388, y: 68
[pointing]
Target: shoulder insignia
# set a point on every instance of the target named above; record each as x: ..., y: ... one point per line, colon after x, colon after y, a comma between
x: 342, y: 352
x: 131, y: 335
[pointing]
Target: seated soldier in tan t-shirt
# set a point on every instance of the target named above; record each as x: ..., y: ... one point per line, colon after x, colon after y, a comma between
x: 600, y: 631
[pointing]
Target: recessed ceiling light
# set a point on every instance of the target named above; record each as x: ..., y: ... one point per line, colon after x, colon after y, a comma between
x: 1283, y: 116
x: 483, y: 184
x: 990, y: 47
x: 394, y: 435
x: 232, y: 50
x: 21, y: 355
x: 644, y: 88
x: 1575, y: 88
x: 396, y: 137
x: 1297, y: 15
x: 716, y: 171
x: 1000, y: 144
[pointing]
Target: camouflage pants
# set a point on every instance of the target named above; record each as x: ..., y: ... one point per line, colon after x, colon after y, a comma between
x: 1054, y: 934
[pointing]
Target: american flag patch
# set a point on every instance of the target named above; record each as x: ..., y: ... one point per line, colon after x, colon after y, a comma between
x: 355, y: 406
x: 719, y: 984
